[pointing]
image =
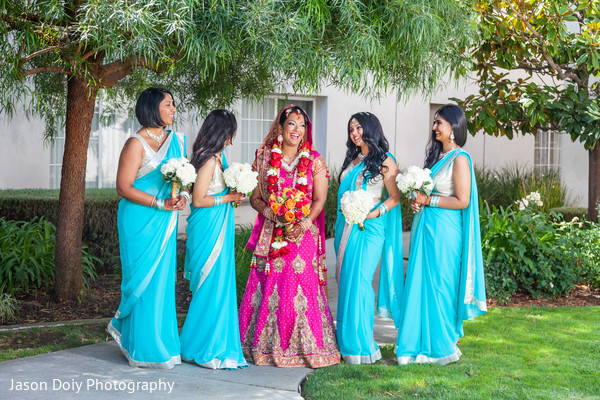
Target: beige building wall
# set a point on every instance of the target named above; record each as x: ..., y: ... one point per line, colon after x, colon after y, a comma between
x: 24, y: 158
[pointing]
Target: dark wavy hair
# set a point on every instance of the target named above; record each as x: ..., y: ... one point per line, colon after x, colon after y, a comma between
x: 147, y: 105
x: 374, y: 138
x: 218, y: 126
x: 456, y: 117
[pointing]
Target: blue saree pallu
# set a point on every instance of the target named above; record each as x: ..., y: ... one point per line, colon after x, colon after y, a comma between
x: 210, y: 336
x: 444, y: 280
x: 358, y: 254
x: 145, y: 325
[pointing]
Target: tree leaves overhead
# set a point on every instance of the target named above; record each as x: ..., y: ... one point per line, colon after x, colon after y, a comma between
x: 212, y: 52
x: 555, y: 47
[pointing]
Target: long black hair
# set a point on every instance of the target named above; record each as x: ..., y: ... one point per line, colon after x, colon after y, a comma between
x: 456, y: 117
x: 374, y: 138
x: 218, y: 126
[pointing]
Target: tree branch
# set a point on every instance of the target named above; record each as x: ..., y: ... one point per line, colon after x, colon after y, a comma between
x: 40, y: 70
x: 543, y: 49
x: 40, y: 52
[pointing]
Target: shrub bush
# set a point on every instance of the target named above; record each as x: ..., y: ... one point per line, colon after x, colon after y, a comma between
x: 27, y: 256
x: 8, y: 307
x: 568, y: 213
x: 243, y: 257
x: 100, y: 226
x: 525, y: 250
x: 504, y: 187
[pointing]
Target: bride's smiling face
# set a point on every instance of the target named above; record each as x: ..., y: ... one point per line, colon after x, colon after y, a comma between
x: 294, y: 128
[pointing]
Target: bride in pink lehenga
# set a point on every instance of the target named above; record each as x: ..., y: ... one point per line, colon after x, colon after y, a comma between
x: 284, y: 316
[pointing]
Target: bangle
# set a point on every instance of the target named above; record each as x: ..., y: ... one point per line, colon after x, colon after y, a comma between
x: 382, y: 209
x: 434, y: 201
x: 268, y: 213
x: 186, y: 195
x: 218, y: 200
x: 160, y: 204
x: 153, y: 204
x: 305, y: 224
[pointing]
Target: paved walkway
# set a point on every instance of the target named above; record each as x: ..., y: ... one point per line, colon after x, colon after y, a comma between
x: 101, y: 372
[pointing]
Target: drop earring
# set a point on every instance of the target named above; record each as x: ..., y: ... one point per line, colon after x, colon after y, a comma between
x: 452, y: 136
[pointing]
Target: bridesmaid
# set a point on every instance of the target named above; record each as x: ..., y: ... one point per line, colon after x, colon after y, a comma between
x: 145, y: 325
x: 368, y: 165
x: 444, y: 280
x: 210, y: 336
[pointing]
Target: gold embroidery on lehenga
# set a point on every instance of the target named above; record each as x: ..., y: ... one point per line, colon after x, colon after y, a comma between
x: 318, y: 165
x: 329, y: 343
x: 269, y: 341
x: 298, y: 264
x: 278, y: 264
x: 255, y: 304
x: 302, y: 340
x: 315, y: 264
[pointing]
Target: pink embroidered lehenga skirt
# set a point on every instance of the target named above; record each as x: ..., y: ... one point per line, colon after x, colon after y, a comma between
x: 284, y: 316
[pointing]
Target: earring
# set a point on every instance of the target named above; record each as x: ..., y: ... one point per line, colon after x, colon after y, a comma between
x: 452, y: 136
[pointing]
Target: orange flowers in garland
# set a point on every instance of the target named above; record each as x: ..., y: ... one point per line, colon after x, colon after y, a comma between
x: 292, y: 203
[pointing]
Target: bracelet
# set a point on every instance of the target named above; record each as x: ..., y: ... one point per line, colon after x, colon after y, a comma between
x: 382, y: 209
x: 218, y: 200
x: 186, y: 195
x: 305, y: 224
x: 434, y: 201
x: 268, y: 213
x: 153, y: 204
x: 160, y: 204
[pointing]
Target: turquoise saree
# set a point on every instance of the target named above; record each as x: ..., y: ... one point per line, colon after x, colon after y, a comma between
x: 358, y: 254
x: 145, y: 325
x: 210, y: 336
x: 444, y: 280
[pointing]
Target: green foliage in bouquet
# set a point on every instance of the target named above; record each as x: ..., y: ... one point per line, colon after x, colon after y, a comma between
x: 27, y: 256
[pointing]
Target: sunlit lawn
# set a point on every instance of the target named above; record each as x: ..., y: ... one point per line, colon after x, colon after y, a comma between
x: 509, y: 353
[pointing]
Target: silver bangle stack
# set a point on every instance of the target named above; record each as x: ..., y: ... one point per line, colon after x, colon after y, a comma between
x: 153, y: 204
x: 160, y: 204
x: 434, y: 201
x: 382, y: 209
x: 218, y: 200
x: 186, y: 195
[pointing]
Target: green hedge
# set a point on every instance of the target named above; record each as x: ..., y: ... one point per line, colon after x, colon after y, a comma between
x: 100, y: 221
x: 568, y: 213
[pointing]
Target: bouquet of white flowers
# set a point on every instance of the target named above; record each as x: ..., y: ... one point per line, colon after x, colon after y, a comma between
x: 241, y: 178
x: 356, y: 205
x: 415, y: 179
x: 179, y: 172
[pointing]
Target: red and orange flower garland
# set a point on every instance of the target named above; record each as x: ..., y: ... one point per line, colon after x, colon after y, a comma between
x: 301, y: 206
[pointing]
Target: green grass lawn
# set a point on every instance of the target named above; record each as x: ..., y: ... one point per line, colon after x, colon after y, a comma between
x: 508, y: 353
x: 29, y: 342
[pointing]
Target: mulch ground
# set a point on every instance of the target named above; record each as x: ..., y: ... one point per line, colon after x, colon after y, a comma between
x: 102, y: 299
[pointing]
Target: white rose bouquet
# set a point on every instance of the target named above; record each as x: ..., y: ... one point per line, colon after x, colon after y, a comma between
x: 356, y: 205
x: 415, y: 179
x: 180, y: 173
x: 241, y: 178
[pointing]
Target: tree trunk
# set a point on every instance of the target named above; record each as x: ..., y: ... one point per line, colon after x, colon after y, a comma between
x: 594, y: 182
x: 81, y: 101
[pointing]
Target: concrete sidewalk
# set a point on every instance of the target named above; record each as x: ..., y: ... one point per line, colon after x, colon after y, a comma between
x: 100, y: 371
